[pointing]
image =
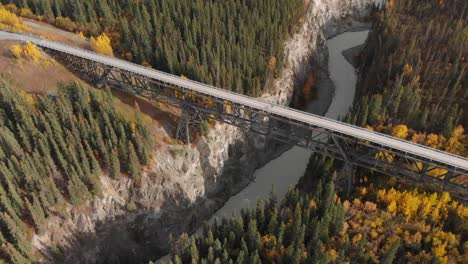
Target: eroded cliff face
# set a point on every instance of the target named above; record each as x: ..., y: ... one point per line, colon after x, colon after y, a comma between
x: 187, y: 184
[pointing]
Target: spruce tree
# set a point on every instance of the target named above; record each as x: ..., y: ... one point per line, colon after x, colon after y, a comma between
x: 133, y: 164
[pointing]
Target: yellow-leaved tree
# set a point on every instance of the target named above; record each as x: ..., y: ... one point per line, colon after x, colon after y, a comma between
x: 30, y: 51
x: 81, y: 35
x: 457, y: 142
x: 102, y: 45
x: 400, y: 131
x: 16, y: 51
x: 10, y: 21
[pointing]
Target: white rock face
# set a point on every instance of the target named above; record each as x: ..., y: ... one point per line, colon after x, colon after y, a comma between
x: 188, y: 183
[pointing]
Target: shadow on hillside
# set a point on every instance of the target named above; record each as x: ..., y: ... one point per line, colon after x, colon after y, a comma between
x: 143, y: 235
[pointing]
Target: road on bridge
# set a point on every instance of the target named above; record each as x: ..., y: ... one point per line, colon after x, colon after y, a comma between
x: 386, y: 141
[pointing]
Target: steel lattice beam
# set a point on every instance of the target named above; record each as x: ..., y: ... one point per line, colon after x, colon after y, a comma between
x: 354, y: 152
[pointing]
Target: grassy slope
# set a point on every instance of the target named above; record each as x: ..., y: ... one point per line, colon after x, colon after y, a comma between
x: 43, y: 79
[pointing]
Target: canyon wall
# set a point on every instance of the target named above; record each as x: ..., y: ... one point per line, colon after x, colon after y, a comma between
x: 186, y: 184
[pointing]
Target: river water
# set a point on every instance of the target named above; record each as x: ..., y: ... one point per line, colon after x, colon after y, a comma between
x: 287, y: 169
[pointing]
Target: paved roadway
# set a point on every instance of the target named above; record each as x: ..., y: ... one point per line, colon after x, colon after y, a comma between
x: 340, y: 127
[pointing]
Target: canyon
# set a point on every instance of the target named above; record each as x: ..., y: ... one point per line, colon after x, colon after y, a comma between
x: 188, y: 184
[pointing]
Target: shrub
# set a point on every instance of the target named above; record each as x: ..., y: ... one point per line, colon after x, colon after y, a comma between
x: 65, y: 23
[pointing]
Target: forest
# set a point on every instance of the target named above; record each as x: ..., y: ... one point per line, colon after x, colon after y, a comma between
x: 236, y: 45
x: 63, y: 143
x: 415, y: 63
x: 54, y: 148
x: 414, y: 86
x: 53, y: 151
x: 313, y: 225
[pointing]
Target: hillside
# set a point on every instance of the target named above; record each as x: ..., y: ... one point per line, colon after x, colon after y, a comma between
x: 93, y: 196
x: 414, y: 74
x: 235, y: 45
x: 312, y: 225
x: 414, y: 49
x: 53, y: 149
x: 85, y: 177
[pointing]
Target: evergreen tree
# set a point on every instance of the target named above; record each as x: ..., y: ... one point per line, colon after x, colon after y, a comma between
x: 194, y: 252
x: 391, y: 253
x: 133, y: 165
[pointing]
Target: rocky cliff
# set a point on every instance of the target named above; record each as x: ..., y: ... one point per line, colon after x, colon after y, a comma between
x: 188, y: 183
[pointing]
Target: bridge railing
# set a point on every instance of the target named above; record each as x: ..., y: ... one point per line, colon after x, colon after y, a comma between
x: 230, y: 96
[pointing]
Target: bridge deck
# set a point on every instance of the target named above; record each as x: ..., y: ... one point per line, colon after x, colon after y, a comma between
x: 359, y: 133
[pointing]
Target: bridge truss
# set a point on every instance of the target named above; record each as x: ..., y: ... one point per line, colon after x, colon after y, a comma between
x: 197, y: 107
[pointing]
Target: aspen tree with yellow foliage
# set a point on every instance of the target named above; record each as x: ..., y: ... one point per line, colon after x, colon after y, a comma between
x: 16, y: 51
x: 81, y: 35
x: 400, y: 131
x: 10, y: 21
x: 29, y: 52
x: 102, y: 45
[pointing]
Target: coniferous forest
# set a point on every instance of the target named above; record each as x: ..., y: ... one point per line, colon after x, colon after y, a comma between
x: 236, y: 45
x: 312, y: 225
x: 53, y: 149
x: 415, y: 65
x: 413, y: 86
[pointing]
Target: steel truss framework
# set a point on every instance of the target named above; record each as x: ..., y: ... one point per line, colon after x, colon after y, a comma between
x: 197, y: 107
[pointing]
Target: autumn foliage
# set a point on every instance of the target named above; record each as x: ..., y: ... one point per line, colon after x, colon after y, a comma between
x: 457, y: 143
x: 312, y: 225
x: 29, y: 52
x: 415, y: 69
x: 102, y: 45
x: 10, y: 21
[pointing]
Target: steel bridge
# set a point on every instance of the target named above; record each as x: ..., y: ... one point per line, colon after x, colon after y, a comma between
x: 356, y: 146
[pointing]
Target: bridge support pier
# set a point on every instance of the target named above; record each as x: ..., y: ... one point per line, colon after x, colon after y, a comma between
x: 349, y: 175
x: 188, y: 124
x: 103, y: 79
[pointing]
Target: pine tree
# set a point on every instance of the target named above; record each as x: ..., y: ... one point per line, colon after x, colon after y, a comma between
x: 77, y: 189
x: 260, y: 215
x: 255, y: 258
x: 211, y: 256
x: 115, y: 165
x: 133, y: 165
x: 14, y: 255
x: 252, y: 236
x: 317, y: 254
x: 241, y: 257
x: 194, y: 252
x: 16, y: 234
x: 36, y: 213
x: 273, y: 223
x: 177, y: 260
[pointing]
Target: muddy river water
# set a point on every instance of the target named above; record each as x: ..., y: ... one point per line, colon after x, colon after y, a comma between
x: 285, y: 170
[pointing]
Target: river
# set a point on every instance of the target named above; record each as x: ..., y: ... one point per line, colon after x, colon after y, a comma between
x: 287, y: 169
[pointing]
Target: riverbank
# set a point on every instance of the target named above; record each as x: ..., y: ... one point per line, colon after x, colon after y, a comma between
x: 288, y: 168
